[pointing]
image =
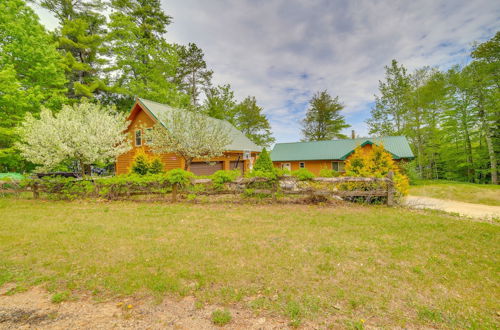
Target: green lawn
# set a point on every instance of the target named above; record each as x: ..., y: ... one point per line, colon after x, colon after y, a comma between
x: 334, y: 265
x: 486, y: 194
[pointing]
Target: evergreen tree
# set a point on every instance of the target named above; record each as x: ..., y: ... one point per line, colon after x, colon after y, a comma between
x: 31, y: 75
x: 220, y: 103
x: 80, y: 39
x: 250, y: 120
x: 192, y: 74
x: 144, y: 64
x: 264, y: 163
x: 323, y: 120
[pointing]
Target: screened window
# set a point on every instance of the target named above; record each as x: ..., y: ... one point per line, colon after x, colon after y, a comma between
x: 302, y: 165
x: 148, y: 138
x: 138, y: 138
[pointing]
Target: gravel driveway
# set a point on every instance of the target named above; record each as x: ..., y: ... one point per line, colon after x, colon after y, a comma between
x: 477, y: 211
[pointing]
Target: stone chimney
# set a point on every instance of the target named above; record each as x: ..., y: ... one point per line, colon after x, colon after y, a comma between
x: 353, y: 134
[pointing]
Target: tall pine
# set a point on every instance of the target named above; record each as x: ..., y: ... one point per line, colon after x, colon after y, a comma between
x: 323, y: 120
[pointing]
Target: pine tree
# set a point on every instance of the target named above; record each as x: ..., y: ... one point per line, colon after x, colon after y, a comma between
x: 192, y: 74
x: 144, y: 63
x: 80, y: 40
x: 264, y: 163
x: 323, y: 120
x: 250, y: 120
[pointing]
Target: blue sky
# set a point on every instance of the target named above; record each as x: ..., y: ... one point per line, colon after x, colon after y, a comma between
x: 283, y: 51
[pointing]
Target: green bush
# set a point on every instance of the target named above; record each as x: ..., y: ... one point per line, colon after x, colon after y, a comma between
x: 221, y: 177
x: 261, y: 174
x: 264, y: 163
x: 179, y: 176
x: 328, y: 173
x: 221, y: 317
x: 156, y: 166
x: 281, y: 172
x: 141, y: 164
x: 303, y: 174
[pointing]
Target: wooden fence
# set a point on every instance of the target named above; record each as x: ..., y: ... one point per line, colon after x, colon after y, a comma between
x: 287, y: 185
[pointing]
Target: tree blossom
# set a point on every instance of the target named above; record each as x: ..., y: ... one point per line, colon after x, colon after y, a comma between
x: 86, y: 133
x: 190, y: 135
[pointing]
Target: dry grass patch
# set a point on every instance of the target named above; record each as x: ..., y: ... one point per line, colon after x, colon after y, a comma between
x: 385, y: 266
x: 486, y: 194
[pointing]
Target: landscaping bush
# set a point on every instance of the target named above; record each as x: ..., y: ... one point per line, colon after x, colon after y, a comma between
x: 145, y: 164
x: 221, y: 177
x: 374, y: 163
x: 156, y: 166
x: 328, y: 173
x: 179, y: 176
x: 303, y: 174
x: 264, y: 163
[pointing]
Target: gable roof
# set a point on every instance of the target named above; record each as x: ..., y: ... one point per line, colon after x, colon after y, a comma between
x: 239, y: 140
x: 338, y: 149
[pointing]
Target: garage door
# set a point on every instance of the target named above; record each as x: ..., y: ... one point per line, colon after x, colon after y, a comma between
x: 204, y: 168
x: 239, y: 165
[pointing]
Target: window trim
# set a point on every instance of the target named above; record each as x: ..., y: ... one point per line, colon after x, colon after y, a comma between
x: 302, y: 164
x: 140, y: 137
x: 337, y: 165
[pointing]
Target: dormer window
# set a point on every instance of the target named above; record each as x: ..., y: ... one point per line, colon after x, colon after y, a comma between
x: 138, y: 138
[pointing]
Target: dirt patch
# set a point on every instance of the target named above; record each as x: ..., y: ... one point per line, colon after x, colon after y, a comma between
x: 476, y: 211
x: 34, y: 309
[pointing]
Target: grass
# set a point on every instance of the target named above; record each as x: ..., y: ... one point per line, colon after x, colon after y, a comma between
x: 486, y: 194
x: 221, y: 317
x: 339, y: 266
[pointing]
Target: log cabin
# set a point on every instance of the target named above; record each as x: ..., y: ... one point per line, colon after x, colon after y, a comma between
x: 318, y: 155
x: 240, y: 153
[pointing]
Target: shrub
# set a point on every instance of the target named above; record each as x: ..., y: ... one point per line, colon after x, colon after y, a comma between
x: 156, y: 166
x: 221, y: 317
x: 281, y: 172
x: 179, y: 176
x: 375, y: 163
x: 409, y: 169
x: 221, y: 177
x: 263, y: 162
x: 144, y: 164
x: 328, y: 173
x: 303, y: 174
x: 262, y: 174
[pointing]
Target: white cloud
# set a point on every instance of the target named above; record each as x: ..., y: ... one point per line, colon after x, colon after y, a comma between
x: 282, y: 51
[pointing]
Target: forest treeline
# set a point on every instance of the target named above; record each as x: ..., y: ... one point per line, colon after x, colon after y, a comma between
x: 108, y: 51
x: 452, y: 118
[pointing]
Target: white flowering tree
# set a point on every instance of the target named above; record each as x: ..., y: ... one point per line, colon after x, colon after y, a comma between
x: 190, y: 135
x: 85, y: 132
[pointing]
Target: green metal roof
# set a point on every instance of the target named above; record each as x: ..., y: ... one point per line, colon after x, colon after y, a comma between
x: 338, y: 149
x: 239, y: 140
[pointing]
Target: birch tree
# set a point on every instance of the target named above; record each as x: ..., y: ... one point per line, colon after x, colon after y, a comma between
x: 86, y: 133
x: 190, y: 135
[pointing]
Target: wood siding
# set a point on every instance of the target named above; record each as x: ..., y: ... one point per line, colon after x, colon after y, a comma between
x: 140, y: 119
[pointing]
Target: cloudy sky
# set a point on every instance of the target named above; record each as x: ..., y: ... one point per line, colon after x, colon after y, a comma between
x: 283, y: 51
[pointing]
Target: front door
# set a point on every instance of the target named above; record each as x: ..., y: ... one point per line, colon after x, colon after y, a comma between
x: 286, y: 166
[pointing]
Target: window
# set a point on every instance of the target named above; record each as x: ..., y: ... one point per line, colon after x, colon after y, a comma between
x: 148, y: 139
x: 138, y: 138
x: 286, y: 166
x: 302, y: 165
x: 338, y: 166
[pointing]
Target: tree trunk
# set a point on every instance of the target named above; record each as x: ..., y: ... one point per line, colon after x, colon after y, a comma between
x: 493, y: 159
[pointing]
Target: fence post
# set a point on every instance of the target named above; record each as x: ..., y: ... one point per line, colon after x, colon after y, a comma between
x: 390, y: 188
x: 36, y: 193
x: 174, y: 192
